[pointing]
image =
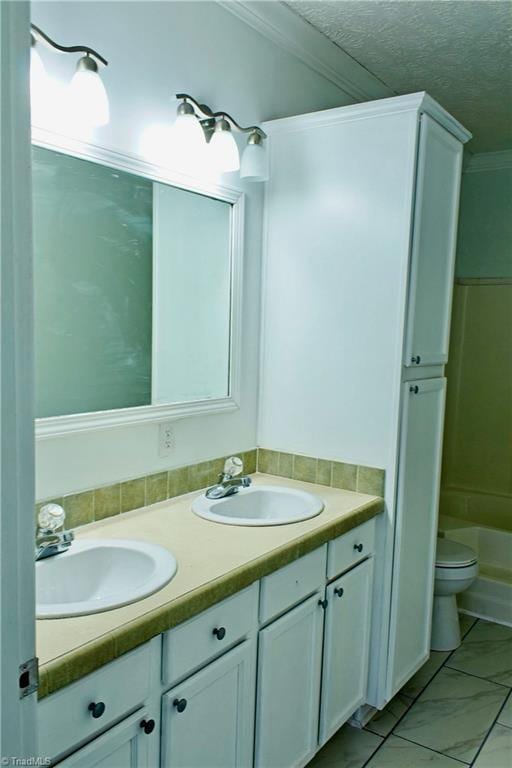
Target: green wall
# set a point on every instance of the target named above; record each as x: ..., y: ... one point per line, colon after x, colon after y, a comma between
x: 477, y: 468
x: 484, y: 247
x: 93, y: 285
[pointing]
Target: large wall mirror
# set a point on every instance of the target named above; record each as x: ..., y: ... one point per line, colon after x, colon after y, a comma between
x: 137, y: 294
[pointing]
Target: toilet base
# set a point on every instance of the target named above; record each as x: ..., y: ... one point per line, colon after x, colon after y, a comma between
x: 445, y: 624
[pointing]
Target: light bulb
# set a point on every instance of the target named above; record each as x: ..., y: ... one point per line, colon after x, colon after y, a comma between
x: 223, y: 148
x: 187, y: 132
x: 88, y: 95
x: 254, y: 165
x: 187, y: 142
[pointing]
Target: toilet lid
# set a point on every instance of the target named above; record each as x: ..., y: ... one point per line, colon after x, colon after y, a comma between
x: 451, y: 553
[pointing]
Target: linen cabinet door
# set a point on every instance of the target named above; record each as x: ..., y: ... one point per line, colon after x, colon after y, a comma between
x: 433, y: 245
x: 416, y: 528
x: 346, y: 646
x: 288, y: 687
x: 134, y: 743
x: 208, y: 720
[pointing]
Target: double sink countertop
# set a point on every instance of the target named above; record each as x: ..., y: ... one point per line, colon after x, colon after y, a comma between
x: 214, y: 562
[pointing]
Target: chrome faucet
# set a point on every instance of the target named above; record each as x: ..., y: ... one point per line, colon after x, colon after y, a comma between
x: 49, y: 540
x: 228, y: 482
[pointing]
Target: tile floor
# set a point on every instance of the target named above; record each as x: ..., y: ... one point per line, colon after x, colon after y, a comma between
x: 456, y: 711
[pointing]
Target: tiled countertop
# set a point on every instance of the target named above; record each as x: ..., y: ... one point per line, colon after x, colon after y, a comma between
x: 214, y: 561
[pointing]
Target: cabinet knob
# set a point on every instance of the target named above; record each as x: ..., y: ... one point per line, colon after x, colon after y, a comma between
x: 416, y: 359
x: 358, y: 547
x: 148, y: 726
x: 180, y: 704
x: 322, y: 604
x: 96, y: 708
x: 339, y: 591
x: 415, y: 389
x: 220, y: 633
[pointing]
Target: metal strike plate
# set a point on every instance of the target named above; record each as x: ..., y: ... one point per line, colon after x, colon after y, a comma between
x: 28, y: 677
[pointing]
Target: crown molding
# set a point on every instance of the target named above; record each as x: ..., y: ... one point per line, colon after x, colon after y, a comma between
x: 489, y: 161
x: 278, y: 23
x: 431, y: 107
x: 412, y: 102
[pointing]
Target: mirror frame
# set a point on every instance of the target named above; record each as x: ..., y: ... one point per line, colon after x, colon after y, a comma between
x: 55, y: 426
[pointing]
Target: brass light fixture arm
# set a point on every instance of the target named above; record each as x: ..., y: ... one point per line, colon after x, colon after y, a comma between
x: 208, y: 117
x: 38, y: 34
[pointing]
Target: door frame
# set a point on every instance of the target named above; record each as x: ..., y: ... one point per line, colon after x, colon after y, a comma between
x: 17, y: 600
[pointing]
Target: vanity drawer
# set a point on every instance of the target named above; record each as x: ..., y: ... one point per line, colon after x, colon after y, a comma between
x: 291, y: 584
x: 350, y: 548
x: 192, y: 644
x: 64, y: 717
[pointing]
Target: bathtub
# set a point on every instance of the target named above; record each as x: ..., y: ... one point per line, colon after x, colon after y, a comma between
x: 490, y: 596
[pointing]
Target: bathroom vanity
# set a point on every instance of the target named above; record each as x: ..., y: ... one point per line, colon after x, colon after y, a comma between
x: 244, y: 658
x: 264, y: 658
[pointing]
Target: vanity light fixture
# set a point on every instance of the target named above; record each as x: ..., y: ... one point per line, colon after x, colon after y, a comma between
x: 37, y: 68
x: 217, y: 129
x: 223, y: 147
x: 87, y: 91
x: 254, y: 165
x: 187, y: 131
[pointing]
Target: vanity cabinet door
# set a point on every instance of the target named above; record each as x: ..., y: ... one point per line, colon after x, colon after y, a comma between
x: 288, y: 687
x: 416, y: 528
x: 346, y: 646
x: 208, y: 720
x: 126, y: 745
x: 433, y: 245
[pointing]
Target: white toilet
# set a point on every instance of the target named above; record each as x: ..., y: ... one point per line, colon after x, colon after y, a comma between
x: 456, y: 569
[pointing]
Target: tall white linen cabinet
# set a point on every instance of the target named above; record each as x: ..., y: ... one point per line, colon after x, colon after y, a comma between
x: 361, y: 222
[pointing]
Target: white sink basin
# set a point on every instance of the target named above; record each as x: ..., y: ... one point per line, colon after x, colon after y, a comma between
x: 260, y: 505
x: 96, y: 575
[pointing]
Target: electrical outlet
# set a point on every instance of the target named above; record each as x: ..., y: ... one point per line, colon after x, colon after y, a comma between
x: 165, y: 439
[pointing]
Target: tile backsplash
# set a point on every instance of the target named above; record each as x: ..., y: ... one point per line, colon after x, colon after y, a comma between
x: 107, y: 501
x: 336, y: 474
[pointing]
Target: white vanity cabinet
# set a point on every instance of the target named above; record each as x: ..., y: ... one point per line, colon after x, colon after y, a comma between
x: 126, y: 745
x: 250, y: 682
x: 191, y: 645
x: 208, y: 720
x: 313, y: 659
x: 87, y: 708
x: 418, y: 498
x: 346, y: 645
x: 289, y: 662
x: 288, y: 688
x: 361, y: 221
x: 433, y: 246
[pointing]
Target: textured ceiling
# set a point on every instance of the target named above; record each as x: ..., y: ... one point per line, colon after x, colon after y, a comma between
x: 458, y: 50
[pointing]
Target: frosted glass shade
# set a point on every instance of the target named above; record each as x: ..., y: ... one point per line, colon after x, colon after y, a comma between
x: 38, y: 76
x: 224, y: 154
x: 187, y: 135
x: 254, y: 165
x: 89, y: 98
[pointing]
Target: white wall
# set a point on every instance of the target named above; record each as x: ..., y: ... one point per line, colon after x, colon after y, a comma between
x: 156, y: 49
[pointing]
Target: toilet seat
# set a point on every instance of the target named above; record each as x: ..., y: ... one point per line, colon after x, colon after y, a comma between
x: 452, y: 573
x: 450, y: 554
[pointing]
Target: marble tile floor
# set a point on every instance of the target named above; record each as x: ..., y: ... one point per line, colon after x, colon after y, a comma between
x: 456, y: 711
